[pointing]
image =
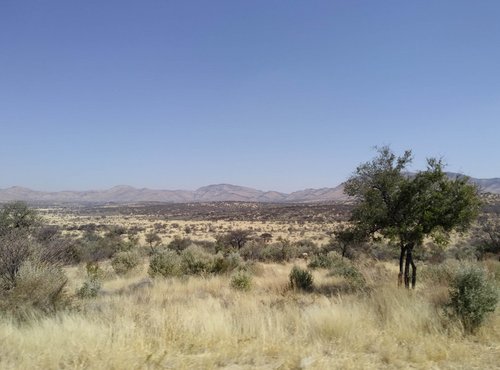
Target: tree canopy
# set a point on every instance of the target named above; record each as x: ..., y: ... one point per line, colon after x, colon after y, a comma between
x: 395, y: 204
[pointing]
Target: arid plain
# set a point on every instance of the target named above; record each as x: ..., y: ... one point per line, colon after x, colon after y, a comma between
x: 204, y: 321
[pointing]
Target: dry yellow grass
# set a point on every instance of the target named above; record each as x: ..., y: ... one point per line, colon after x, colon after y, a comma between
x: 201, y: 323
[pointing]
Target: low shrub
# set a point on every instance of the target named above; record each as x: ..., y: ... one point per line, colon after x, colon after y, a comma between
x: 195, y: 261
x: 325, y: 261
x: 89, y: 289
x: 124, y: 262
x: 178, y: 244
x: 165, y: 263
x: 252, y: 250
x: 92, y: 286
x: 301, y: 279
x: 39, y: 286
x: 241, y: 281
x: 224, y: 264
x: 472, y: 297
x: 346, y: 269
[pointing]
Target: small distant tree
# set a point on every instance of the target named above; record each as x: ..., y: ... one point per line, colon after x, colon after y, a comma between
x: 237, y: 238
x: 345, y: 239
x: 17, y: 215
x: 393, y: 204
x: 153, y: 239
x: 490, y: 240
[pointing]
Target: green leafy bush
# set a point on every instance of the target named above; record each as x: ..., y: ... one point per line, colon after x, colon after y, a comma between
x: 165, y: 263
x: 92, y: 286
x: 224, y: 264
x: 241, y: 281
x: 124, y: 262
x: 195, y: 261
x: 325, y: 261
x: 472, y: 297
x: 89, y: 289
x: 301, y: 279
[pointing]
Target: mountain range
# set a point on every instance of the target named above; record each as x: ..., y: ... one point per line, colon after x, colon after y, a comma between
x: 210, y: 193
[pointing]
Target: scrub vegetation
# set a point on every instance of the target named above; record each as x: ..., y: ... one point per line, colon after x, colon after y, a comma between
x: 136, y: 291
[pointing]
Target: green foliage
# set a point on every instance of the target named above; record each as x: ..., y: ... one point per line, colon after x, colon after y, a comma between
x: 241, y: 281
x: 89, y: 289
x: 93, y: 247
x: 224, y: 264
x: 253, y: 250
x: 30, y: 278
x: 490, y: 238
x: 196, y: 261
x: 325, y: 261
x: 17, y: 215
x: 350, y: 273
x: 124, y: 262
x: 472, y: 297
x: 301, y: 279
x: 92, y: 285
x: 165, y: 263
x: 407, y: 208
x: 178, y: 244
x: 235, y: 239
x: 339, y: 266
x: 153, y: 240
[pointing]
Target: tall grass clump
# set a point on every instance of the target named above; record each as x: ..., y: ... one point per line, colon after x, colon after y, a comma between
x: 38, y: 288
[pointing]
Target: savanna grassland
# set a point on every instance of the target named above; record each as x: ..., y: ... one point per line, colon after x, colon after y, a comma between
x: 219, y: 308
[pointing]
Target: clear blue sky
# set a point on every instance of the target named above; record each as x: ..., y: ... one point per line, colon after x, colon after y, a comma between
x: 280, y: 95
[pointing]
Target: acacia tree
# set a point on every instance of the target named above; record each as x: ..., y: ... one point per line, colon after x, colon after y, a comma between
x: 17, y: 215
x: 393, y: 204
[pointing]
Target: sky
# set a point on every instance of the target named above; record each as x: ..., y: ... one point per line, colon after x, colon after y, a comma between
x: 275, y: 95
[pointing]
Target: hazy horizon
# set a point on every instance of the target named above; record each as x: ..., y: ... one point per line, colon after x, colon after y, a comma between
x: 273, y: 96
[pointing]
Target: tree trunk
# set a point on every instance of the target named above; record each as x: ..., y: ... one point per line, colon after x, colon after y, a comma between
x: 413, y: 270
x: 408, y: 262
x: 407, y: 267
x: 401, y: 258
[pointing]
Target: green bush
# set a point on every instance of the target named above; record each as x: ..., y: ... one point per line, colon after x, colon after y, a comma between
x: 325, y: 261
x: 339, y: 266
x: 89, y: 289
x: 472, y: 297
x: 345, y: 268
x: 224, y: 264
x: 252, y: 250
x: 92, y: 286
x: 195, y: 261
x: 165, y: 263
x: 301, y: 279
x: 241, y: 281
x: 178, y: 244
x: 124, y: 262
